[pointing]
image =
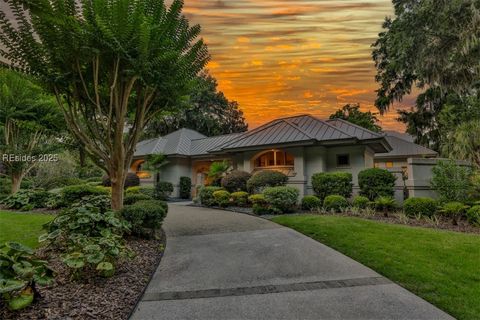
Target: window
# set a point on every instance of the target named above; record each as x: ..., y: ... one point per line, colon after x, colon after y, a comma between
x: 389, y: 164
x: 274, y: 158
x: 376, y: 165
x: 343, y: 160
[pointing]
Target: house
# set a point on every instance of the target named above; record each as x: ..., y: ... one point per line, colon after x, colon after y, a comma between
x: 299, y: 146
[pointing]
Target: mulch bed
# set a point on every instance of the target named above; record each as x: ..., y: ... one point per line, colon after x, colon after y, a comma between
x: 96, y: 297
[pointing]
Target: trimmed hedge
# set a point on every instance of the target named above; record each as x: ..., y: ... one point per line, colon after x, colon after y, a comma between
x: 335, y: 202
x: 360, y: 202
x: 413, y: 207
x: 281, y: 199
x: 206, y: 195
x: 266, y: 178
x: 163, y: 189
x: 376, y: 182
x: 145, y: 216
x: 260, y: 205
x: 222, y: 198
x: 236, y: 181
x: 185, y: 188
x: 239, y: 198
x: 332, y: 183
x: 130, y: 199
x: 311, y: 203
x: 72, y: 194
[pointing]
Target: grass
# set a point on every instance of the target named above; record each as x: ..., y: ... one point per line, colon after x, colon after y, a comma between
x: 440, y: 266
x: 22, y: 227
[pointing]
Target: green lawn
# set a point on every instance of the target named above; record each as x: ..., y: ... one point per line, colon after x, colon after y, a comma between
x: 440, y: 266
x: 22, y: 227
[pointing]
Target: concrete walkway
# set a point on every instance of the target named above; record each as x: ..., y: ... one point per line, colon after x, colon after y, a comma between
x: 224, y: 265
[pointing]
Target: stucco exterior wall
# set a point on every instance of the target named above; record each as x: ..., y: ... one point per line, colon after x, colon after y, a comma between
x: 176, y: 168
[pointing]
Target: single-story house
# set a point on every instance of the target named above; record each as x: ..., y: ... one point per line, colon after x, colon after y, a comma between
x: 299, y: 146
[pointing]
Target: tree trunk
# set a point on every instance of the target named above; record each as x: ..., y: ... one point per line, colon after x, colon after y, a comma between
x: 16, y: 182
x: 81, y: 151
x: 117, y: 178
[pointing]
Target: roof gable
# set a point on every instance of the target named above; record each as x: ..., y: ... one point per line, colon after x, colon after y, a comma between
x: 402, y: 148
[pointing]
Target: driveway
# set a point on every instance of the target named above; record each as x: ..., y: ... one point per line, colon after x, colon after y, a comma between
x: 224, y: 265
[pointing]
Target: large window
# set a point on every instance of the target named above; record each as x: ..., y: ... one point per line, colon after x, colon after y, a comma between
x: 274, y: 158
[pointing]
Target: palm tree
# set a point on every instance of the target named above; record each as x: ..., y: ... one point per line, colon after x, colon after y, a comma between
x: 217, y: 171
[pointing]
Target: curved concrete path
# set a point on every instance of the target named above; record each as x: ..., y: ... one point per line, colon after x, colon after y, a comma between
x: 224, y: 265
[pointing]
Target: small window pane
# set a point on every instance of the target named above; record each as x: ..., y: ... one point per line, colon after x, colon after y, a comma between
x: 290, y: 160
x: 343, y: 160
x: 389, y: 164
x: 280, y: 158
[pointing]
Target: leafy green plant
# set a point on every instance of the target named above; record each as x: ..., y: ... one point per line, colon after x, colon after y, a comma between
x: 413, y: 207
x: 185, y: 187
x: 260, y: 205
x: 222, y: 198
x: 281, y: 199
x: 454, y: 210
x: 385, y: 204
x: 135, y: 197
x: 335, y: 202
x: 266, y: 178
x: 239, y: 198
x: 217, y: 171
x: 27, y: 199
x: 473, y: 215
x: 20, y: 273
x: 375, y: 182
x: 206, y: 195
x: 73, y: 194
x: 328, y: 183
x: 145, y: 216
x: 360, y: 202
x: 163, y: 190
x: 311, y: 203
x: 236, y: 181
x: 452, y: 182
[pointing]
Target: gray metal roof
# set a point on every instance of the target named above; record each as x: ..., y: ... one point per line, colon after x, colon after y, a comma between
x: 354, y: 130
x: 175, y: 143
x: 202, y: 146
x: 403, y: 149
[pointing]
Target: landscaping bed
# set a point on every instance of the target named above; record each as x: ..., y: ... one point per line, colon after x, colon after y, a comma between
x: 95, y: 297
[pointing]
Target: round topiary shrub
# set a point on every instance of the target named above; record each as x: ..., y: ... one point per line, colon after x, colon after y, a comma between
x: 360, y: 202
x: 205, y: 195
x: 239, y: 198
x: 281, y: 199
x: 413, y: 207
x: 473, y: 215
x: 376, y: 182
x: 335, y: 202
x: 311, y: 203
x: 236, y: 181
x: 328, y: 183
x: 185, y: 187
x: 145, y: 217
x: 222, y: 198
x: 260, y: 205
x: 163, y: 190
x: 131, y: 180
x: 135, y: 197
x: 266, y: 178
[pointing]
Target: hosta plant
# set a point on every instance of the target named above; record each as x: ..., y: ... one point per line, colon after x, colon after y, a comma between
x: 20, y: 273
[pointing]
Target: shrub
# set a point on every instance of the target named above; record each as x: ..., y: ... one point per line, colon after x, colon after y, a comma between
x: 266, y: 178
x: 360, y: 202
x: 145, y: 216
x: 335, y: 202
x: 27, y: 199
x: 147, y: 190
x: 257, y: 199
x: 376, y: 183
x: 413, y: 207
x: 135, y: 197
x: 163, y: 190
x: 454, y: 210
x: 385, y: 204
x: 328, y: 183
x: 206, y: 195
x: 185, y: 187
x: 132, y: 190
x: 281, y: 199
x: 72, y: 194
x: 100, y: 201
x: 451, y: 181
x: 222, y: 198
x: 236, y: 181
x: 259, y: 204
x: 131, y: 180
x: 61, y: 173
x: 239, y: 198
x: 311, y: 203
x: 473, y: 215
x: 20, y: 274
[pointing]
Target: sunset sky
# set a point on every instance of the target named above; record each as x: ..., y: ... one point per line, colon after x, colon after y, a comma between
x: 284, y: 57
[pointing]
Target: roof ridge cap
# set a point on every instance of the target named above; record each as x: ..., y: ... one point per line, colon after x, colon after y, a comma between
x: 359, y: 127
x: 333, y: 127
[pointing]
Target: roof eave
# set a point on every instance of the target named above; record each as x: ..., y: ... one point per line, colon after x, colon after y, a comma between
x: 266, y: 146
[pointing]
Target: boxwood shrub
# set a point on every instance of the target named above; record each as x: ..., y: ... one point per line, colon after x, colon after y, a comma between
x: 206, y: 195
x: 335, y: 202
x: 222, y: 198
x: 413, y: 207
x: 239, y: 198
x: 145, y: 216
x: 266, y: 178
x: 331, y: 183
x: 72, y: 194
x: 163, y: 190
x: 376, y: 182
x: 473, y: 215
x: 311, y: 203
x: 260, y: 205
x: 281, y: 199
x: 135, y: 197
x: 360, y: 202
x: 185, y: 187
x: 236, y: 181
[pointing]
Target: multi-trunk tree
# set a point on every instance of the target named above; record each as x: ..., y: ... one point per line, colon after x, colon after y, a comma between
x: 112, y: 65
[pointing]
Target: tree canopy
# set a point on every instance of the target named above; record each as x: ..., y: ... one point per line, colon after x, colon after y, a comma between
x: 352, y: 113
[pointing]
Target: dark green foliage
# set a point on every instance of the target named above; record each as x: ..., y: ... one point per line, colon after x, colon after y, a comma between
x: 352, y: 114
x: 451, y: 181
x: 146, y: 190
x: 413, y: 207
x: 145, y: 216
x: 163, y: 189
x: 206, y: 195
x: 385, y: 204
x: 311, y: 203
x: 185, y: 188
x: 266, y: 178
x: 260, y: 205
x: 376, y: 182
x: 236, y: 181
x: 473, y: 215
x: 239, y: 198
x: 73, y: 194
x: 360, y: 202
x: 454, y: 210
x: 328, y: 183
x: 335, y: 202
x: 281, y: 199
x: 131, y: 180
x: 133, y: 198
x: 28, y: 199
x: 222, y: 198
x: 20, y: 273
